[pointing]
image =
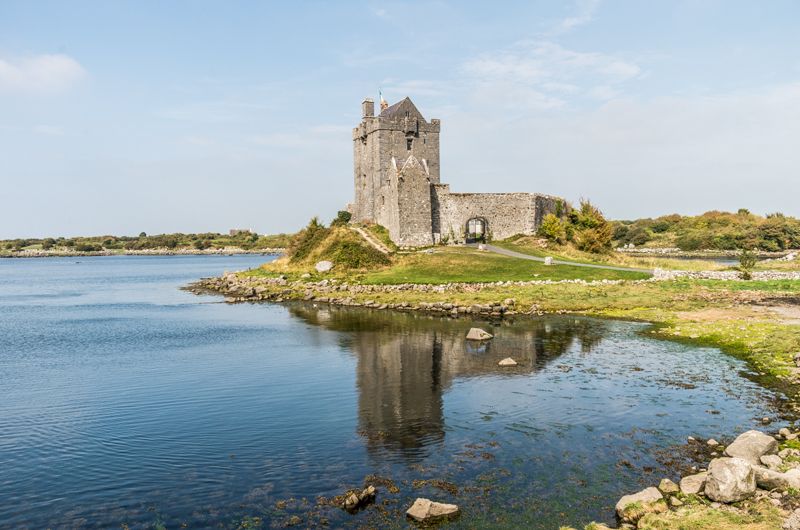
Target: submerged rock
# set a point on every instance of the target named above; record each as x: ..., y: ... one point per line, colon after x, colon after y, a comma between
x: 730, y: 480
x: 631, y: 508
x: 508, y: 361
x: 693, y: 484
x: 426, y: 510
x: 751, y: 446
x: 354, y: 501
x: 478, y: 334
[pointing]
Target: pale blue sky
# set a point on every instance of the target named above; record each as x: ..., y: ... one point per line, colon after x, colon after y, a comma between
x: 118, y: 117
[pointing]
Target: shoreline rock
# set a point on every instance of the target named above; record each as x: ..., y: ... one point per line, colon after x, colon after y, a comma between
x: 428, y: 511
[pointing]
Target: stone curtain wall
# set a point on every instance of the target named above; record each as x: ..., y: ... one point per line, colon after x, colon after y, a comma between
x: 506, y: 214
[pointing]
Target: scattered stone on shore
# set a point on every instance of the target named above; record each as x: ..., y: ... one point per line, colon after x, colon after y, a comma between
x: 786, y: 453
x: 355, y: 500
x: 508, y: 361
x: 694, y: 484
x: 775, y: 480
x: 751, y: 446
x: 667, y: 487
x: 427, y: 511
x: 323, y: 266
x: 712, y: 442
x: 675, y: 502
x: 730, y: 480
x: 793, y: 521
x: 478, y: 334
x: 631, y: 508
x: 772, y: 461
x: 766, y: 421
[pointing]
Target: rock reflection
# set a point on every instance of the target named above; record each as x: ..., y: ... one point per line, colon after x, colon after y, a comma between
x: 407, y: 360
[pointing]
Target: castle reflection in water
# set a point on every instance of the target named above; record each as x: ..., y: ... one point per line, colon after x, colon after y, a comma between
x: 406, y: 361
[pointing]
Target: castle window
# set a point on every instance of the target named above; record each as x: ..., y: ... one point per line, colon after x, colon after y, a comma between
x: 409, y: 141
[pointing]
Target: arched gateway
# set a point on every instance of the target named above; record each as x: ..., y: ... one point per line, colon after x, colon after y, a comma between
x: 477, y: 228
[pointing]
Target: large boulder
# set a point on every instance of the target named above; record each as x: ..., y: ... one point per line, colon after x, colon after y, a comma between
x: 428, y: 511
x: 769, y: 479
x: 631, y: 508
x: 323, y: 266
x: 751, y: 446
x: 730, y: 480
x: 508, y: 361
x: 478, y: 334
x: 693, y: 484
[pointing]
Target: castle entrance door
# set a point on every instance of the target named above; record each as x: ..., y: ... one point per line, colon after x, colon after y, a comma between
x: 477, y: 229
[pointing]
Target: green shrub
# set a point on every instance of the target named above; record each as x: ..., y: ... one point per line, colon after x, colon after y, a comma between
x: 552, y: 228
x: 307, y: 240
x: 342, y: 218
x: 592, y: 232
x: 637, y: 236
x: 88, y: 247
x: 354, y: 255
x: 747, y: 261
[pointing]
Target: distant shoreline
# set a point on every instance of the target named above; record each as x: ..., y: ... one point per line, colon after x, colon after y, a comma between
x: 142, y: 252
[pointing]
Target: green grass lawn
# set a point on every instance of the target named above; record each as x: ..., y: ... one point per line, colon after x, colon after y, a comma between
x: 458, y: 264
x: 567, y: 253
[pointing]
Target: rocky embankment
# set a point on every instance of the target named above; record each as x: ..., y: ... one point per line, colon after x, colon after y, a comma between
x: 662, y: 274
x: 674, y: 252
x: 238, y: 288
x: 752, y: 469
x: 61, y: 253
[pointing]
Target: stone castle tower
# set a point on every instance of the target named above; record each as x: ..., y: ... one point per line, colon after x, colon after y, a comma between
x: 388, y: 148
x: 397, y: 185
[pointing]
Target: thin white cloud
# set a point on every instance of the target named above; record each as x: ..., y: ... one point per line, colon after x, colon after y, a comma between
x: 49, y: 130
x: 549, y: 73
x: 278, y: 140
x: 39, y: 74
x: 397, y: 89
x: 331, y: 129
x: 640, y: 156
x: 584, y: 15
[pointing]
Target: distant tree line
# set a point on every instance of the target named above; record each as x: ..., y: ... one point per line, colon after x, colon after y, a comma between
x: 712, y: 230
x: 208, y: 240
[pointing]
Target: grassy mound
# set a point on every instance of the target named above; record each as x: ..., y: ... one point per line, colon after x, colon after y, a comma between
x: 337, y: 244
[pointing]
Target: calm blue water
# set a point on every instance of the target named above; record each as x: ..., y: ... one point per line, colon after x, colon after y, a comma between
x: 126, y: 401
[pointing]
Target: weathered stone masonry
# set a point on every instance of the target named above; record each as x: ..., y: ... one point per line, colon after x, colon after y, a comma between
x: 397, y: 185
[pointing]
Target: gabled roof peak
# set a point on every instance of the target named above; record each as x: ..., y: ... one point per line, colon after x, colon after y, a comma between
x: 404, y: 108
